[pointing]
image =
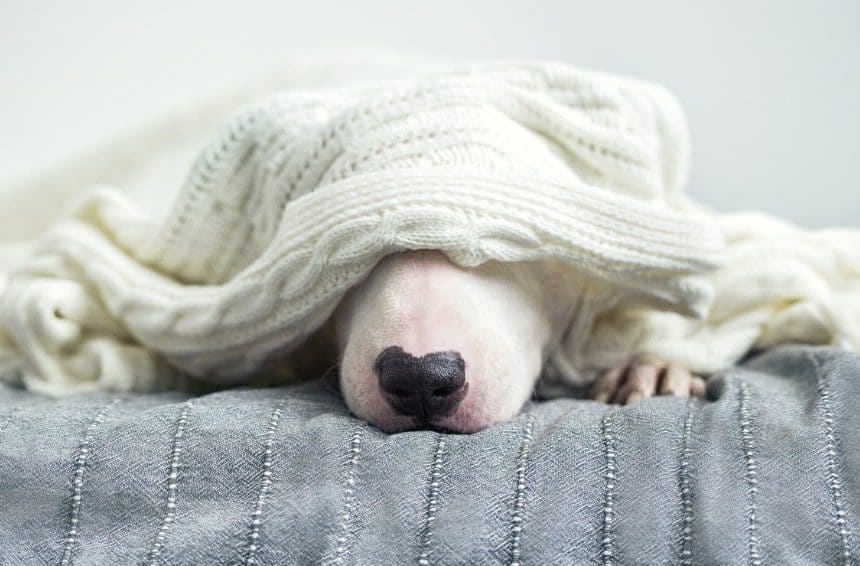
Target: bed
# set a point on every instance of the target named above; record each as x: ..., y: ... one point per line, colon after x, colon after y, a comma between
x: 766, y: 471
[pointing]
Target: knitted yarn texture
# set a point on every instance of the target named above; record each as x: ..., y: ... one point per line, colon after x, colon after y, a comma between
x: 304, y: 192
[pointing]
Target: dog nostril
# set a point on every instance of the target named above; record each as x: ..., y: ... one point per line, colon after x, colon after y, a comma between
x: 426, y: 387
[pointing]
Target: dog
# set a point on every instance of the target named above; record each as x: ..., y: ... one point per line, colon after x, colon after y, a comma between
x: 422, y: 343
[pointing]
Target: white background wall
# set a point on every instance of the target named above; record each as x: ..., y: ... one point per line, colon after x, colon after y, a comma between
x: 772, y: 88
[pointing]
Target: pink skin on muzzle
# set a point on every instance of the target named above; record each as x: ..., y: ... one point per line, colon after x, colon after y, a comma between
x: 497, y: 320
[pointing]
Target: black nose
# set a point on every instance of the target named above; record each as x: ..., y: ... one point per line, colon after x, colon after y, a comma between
x: 426, y: 387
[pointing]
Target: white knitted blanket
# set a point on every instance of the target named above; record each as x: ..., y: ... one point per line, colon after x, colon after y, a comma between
x: 306, y: 190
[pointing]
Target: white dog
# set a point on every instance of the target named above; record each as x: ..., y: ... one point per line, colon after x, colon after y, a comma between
x: 424, y: 343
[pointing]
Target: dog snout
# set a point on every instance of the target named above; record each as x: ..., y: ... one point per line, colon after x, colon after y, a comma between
x: 422, y: 387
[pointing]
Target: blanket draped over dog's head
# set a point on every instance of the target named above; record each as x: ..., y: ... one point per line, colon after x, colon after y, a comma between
x: 304, y: 192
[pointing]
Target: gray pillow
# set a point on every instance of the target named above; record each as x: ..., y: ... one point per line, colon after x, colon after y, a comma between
x: 768, y: 472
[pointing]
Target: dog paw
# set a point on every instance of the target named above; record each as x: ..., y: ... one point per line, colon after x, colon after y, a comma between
x: 646, y: 376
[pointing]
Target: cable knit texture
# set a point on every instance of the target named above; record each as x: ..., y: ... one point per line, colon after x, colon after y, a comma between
x: 304, y: 192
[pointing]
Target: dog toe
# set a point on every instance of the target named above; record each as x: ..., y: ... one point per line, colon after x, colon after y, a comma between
x: 641, y: 384
x: 698, y: 385
x: 676, y: 381
x: 607, y: 384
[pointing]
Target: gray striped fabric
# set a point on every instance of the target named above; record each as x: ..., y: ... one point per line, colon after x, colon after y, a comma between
x: 765, y: 474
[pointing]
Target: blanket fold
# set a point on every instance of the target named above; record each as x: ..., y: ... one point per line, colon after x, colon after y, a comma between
x: 305, y: 191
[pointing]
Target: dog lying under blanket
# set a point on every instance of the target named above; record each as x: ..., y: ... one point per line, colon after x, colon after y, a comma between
x: 423, y: 342
x: 449, y: 237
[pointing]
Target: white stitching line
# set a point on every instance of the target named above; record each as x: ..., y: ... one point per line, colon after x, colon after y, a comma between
x: 834, y: 481
x: 687, y: 491
x: 432, y: 502
x: 520, y: 499
x: 608, y: 490
x: 78, y: 481
x: 265, y: 483
x: 348, y: 497
x: 751, y: 473
x: 172, y: 483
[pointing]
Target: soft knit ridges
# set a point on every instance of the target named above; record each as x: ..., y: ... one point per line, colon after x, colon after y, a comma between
x: 289, y: 146
x: 780, y: 284
x: 304, y: 192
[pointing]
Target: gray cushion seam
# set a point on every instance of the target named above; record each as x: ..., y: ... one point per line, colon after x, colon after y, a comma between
x: 831, y: 462
x: 685, y: 481
x: 748, y: 446
x: 84, y: 449
x: 344, y: 530
x: 172, y: 483
x: 606, y: 543
x: 432, y: 501
x: 520, y: 492
x: 265, y: 483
